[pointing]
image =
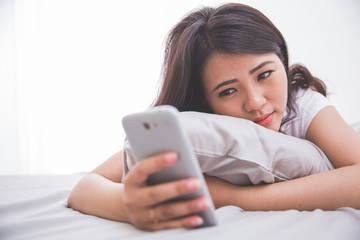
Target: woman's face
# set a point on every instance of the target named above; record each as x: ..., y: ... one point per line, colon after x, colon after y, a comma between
x: 249, y: 86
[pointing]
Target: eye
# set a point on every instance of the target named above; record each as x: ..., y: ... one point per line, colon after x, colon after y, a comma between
x: 265, y: 75
x: 227, y: 92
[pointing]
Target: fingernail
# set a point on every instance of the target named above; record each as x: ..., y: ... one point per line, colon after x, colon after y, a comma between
x: 202, y: 204
x: 193, y: 185
x: 170, y: 157
x: 196, y: 221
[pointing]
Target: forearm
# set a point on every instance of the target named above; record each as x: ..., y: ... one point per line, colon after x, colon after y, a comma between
x: 327, y: 191
x: 96, y: 195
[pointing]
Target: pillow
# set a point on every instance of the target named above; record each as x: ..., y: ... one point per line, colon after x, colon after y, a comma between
x: 244, y: 153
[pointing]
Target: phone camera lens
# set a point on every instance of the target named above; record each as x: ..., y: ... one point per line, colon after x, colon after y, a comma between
x: 146, y: 126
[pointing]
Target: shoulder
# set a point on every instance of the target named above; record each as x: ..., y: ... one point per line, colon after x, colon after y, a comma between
x: 307, y: 104
x: 339, y: 141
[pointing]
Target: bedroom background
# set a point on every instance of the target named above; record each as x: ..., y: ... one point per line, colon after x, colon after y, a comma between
x: 71, y: 69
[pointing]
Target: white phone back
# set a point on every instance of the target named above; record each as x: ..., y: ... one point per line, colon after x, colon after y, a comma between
x: 159, y: 130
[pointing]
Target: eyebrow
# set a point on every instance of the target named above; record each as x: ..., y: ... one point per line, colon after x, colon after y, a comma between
x: 252, y: 71
x: 259, y: 66
x: 223, y: 84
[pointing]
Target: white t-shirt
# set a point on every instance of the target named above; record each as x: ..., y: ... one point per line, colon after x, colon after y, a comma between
x: 308, y: 103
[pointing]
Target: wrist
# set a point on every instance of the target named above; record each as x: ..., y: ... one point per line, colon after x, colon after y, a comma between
x: 222, y: 193
x: 123, y: 213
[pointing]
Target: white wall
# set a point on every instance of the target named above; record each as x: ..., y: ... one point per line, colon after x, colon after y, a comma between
x: 9, y: 157
x: 71, y: 69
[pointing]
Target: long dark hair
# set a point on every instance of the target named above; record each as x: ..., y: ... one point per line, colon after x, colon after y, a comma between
x: 231, y: 28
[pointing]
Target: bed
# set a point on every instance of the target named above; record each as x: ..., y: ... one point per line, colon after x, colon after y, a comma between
x: 34, y: 207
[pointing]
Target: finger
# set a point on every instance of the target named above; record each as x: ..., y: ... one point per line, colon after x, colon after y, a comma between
x: 153, y: 195
x: 170, y: 211
x: 188, y: 222
x: 142, y: 170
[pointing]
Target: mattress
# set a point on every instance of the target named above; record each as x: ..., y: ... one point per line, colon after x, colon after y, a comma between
x: 34, y: 207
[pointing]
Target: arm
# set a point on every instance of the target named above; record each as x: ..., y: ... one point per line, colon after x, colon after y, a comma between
x: 100, y: 193
x: 328, y: 190
x: 99, y: 186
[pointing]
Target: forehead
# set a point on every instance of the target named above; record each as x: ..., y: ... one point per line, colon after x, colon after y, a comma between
x: 219, y: 63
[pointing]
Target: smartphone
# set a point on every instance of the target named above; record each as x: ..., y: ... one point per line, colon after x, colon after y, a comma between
x: 159, y: 130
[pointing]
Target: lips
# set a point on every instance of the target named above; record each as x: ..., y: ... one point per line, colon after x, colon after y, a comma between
x: 264, y: 120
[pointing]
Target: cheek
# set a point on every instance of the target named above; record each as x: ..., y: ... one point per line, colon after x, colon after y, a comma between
x: 214, y: 104
x: 230, y: 107
x: 209, y: 101
x: 285, y: 89
x: 281, y: 89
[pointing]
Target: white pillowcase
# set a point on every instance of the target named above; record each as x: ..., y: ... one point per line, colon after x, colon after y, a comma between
x: 244, y: 153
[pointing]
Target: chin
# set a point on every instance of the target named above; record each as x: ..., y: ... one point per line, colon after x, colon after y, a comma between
x: 274, y: 126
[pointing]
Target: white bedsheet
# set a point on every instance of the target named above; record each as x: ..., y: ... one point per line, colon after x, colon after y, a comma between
x: 34, y: 207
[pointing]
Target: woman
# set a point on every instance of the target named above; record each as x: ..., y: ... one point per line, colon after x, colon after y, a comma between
x: 231, y: 61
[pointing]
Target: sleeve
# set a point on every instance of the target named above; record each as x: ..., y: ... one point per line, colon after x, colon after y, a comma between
x: 308, y: 103
x: 128, y: 159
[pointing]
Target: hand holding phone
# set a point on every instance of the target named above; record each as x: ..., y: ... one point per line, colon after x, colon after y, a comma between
x: 159, y: 130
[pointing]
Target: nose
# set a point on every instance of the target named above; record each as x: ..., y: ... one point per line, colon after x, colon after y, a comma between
x: 254, y: 99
